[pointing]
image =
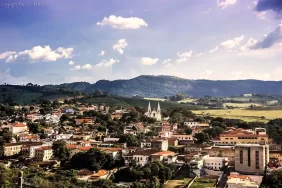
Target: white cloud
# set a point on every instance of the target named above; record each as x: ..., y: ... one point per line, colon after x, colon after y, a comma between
x: 261, y: 15
x: 6, y: 54
x: 222, y: 4
x: 6, y: 77
x: 250, y: 44
x: 71, y: 62
x: 183, y: 57
x: 102, y: 53
x: 107, y: 63
x: 84, y: 67
x: 167, y: 63
x: 149, y: 61
x: 199, y: 54
x: 229, y: 44
x: 253, y: 5
x: 120, y: 45
x: 119, y: 22
x: 39, y: 53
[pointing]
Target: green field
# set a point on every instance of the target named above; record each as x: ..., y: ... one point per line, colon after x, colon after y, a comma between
x: 186, y: 100
x: 203, y: 183
x: 246, y: 115
x: 242, y: 105
x: 142, y: 103
x: 155, y: 99
x: 181, y: 179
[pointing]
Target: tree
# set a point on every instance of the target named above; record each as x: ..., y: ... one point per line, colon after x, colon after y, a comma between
x: 201, y: 137
x: 129, y: 139
x: 153, y: 182
x: 103, y: 183
x: 188, y: 131
x: 165, y: 174
x: 61, y: 151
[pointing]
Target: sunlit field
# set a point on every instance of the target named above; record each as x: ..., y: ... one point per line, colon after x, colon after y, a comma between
x: 246, y: 115
x: 241, y: 105
x: 155, y: 99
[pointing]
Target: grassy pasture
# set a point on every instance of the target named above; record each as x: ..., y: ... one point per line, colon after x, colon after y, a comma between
x: 246, y: 115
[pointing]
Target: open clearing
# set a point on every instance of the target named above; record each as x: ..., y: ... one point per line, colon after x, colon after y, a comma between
x: 181, y: 179
x: 186, y: 100
x: 241, y: 105
x: 155, y: 99
x: 246, y: 115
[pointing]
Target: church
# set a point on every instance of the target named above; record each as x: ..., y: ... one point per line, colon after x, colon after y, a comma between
x: 156, y: 114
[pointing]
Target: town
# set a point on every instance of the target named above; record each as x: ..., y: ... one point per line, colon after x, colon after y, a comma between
x: 67, y: 143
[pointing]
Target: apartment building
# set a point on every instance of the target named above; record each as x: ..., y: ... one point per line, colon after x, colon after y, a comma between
x: 251, y: 158
x: 242, y: 136
x: 43, y: 153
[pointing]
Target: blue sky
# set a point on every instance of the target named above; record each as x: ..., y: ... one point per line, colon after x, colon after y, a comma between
x: 52, y: 41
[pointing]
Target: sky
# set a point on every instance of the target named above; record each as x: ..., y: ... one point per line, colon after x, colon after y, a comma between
x: 62, y: 41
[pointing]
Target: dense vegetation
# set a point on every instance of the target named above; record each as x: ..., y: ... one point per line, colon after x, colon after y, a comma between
x: 161, y: 86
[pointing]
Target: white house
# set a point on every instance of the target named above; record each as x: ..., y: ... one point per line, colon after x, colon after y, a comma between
x: 214, y: 163
x: 19, y: 128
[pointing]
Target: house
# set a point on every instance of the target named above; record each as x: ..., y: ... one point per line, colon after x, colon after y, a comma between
x: 28, y: 150
x: 165, y: 134
x: 84, y: 174
x: 29, y: 138
x: 221, y: 151
x: 184, y: 139
x: 116, y: 153
x: 19, y: 128
x: 275, y: 155
x: 193, y: 148
x: 172, y: 141
x: 12, y: 148
x: 79, y: 149
x: 44, y: 153
x: 81, y: 136
x: 166, y: 157
x: 215, y: 163
x: 50, y: 131
x: 140, y: 157
x: 240, y: 181
x: 146, y: 143
x: 33, y: 117
x: 85, y: 121
x: 159, y: 144
x: 101, y: 174
x: 192, y: 124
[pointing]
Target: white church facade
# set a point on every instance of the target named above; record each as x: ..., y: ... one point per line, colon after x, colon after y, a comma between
x: 156, y: 114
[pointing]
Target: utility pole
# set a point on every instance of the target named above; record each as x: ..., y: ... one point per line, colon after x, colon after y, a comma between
x: 20, y: 179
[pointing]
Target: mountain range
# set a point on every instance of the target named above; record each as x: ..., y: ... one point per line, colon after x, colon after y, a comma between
x: 161, y: 86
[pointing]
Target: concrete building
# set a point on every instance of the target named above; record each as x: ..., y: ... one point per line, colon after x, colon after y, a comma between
x: 251, y: 158
x: 215, y: 163
x: 159, y: 144
x: 43, y: 153
x: 241, y: 136
x: 156, y: 114
x: 19, y: 128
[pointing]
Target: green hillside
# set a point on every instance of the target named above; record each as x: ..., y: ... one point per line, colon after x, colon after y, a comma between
x: 24, y: 95
x: 140, y: 102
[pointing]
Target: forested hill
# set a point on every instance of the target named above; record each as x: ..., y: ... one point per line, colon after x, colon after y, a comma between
x: 160, y: 86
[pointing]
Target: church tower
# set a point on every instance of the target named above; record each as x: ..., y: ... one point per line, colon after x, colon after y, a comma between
x: 149, y: 108
x: 159, y: 108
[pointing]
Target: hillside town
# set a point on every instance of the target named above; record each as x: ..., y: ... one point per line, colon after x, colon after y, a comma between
x: 125, y: 146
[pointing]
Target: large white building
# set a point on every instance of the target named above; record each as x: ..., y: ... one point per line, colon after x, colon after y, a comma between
x: 156, y: 114
x: 214, y: 163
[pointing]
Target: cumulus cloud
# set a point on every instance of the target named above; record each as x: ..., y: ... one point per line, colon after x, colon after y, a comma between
x: 107, y: 63
x: 120, y: 45
x: 6, y: 77
x: 264, y: 5
x: 38, y: 53
x: 271, y: 39
x: 250, y: 44
x: 229, y: 44
x: 102, y: 53
x: 183, y: 57
x: 149, y: 61
x: 222, y: 4
x: 83, y: 67
x: 119, y: 22
x: 71, y: 62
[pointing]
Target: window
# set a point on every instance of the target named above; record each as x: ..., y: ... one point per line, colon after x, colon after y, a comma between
x: 241, y: 156
x: 257, y: 159
x: 249, y: 157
